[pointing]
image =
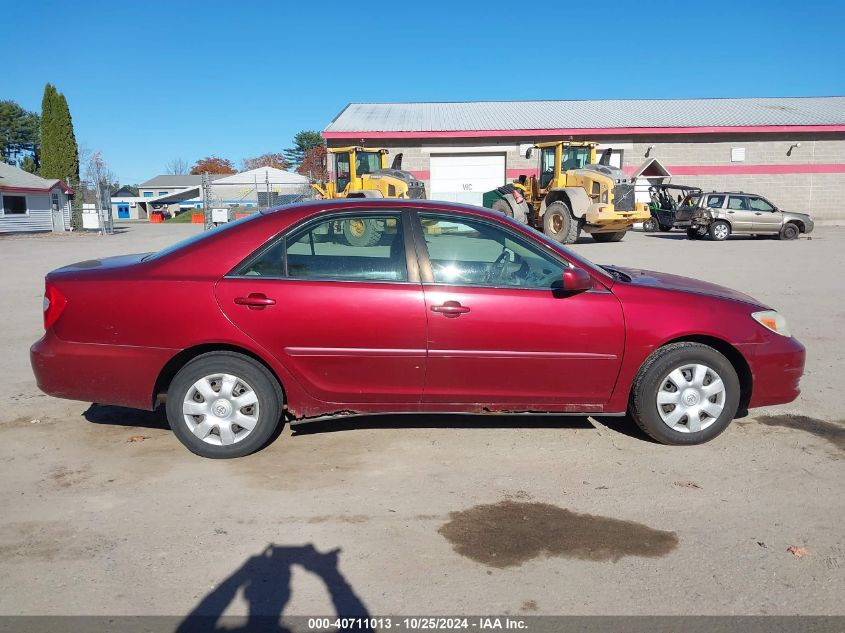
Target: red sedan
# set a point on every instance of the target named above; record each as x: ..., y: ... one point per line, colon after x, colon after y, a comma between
x: 376, y: 306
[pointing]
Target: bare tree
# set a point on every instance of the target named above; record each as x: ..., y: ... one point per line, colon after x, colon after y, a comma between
x: 96, y: 170
x: 177, y: 167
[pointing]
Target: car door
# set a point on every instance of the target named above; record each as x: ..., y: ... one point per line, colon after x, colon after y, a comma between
x: 339, y: 303
x: 766, y: 218
x: 500, y: 329
x: 739, y: 214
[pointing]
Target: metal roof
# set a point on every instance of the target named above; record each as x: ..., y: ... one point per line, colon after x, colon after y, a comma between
x: 186, y: 180
x: 11, y: 176
x: 589, y: 115
x: 262, y: 175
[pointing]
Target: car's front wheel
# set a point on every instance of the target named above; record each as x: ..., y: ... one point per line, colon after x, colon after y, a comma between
x: 789, y: 231
x: 719, y: 231
x: 685, y: 393
x: 224, y: 404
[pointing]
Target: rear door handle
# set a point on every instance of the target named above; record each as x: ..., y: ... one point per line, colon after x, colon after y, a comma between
x: 255, y: 301
x: 450, y: 309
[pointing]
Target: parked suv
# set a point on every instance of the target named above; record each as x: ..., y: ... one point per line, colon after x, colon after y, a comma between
x: 719, y: 213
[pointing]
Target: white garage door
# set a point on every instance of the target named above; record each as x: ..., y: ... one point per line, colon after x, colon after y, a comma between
x: 465, y: 177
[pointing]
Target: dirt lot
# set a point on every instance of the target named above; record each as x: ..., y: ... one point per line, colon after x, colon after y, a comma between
x: 104, y: 512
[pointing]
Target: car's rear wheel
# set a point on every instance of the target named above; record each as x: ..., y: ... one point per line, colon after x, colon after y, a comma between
x: 789, y: 231
x: 685, y: 393
x: 650, y: 225
x: 224, y: 404
x: 719, y: 231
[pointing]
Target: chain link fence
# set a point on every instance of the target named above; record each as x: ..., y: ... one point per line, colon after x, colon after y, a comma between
x: 231, y: 199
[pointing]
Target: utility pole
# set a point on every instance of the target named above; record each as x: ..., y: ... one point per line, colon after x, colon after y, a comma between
x: 206, y: 200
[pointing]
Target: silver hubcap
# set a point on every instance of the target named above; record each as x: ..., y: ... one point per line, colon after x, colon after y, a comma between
x: 220, y: 409
x: 721, y: 231
x: 691, y: 398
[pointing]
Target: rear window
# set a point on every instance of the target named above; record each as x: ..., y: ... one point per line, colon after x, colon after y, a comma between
x: 199, y: 237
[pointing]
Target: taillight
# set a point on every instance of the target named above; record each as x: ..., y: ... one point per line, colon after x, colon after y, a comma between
x: 54, y: 304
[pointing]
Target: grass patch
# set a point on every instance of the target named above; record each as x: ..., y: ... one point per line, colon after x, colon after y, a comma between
x: 182, y: 218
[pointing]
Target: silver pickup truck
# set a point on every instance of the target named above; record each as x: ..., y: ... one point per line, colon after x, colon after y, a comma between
x: 719, y: 213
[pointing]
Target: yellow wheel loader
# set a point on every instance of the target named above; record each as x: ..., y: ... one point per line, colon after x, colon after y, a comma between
x: 572, y: 194
x: 362, y: 172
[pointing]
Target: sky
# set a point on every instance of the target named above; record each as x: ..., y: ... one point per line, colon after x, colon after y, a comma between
x: 148, y: 82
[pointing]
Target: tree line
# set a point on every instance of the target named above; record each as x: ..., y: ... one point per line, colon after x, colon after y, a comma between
x: 44, y: 143
x: 306, y: 156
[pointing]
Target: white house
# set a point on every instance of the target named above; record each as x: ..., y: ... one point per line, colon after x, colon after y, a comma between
x: 31, y: 203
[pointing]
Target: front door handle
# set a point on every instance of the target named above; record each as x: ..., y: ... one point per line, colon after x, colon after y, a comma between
x: 255, y: 301
x: 450, y: 309
x: 730, y: 211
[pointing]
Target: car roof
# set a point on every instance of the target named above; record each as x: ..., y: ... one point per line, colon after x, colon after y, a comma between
x: 735, y: 193
x: 381, y: 203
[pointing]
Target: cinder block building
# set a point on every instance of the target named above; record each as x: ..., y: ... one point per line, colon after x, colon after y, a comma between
x: 790, y: 150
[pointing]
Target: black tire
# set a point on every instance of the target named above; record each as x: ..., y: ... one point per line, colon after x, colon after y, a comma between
x: 694, y: 234
x: 608, y: 237
x: 789, y: 231
x: 503, y: 207
x: 650, y: 225
x: 265, y: 386
x: 360, y: 232
x: 649, y: 381
x: 719, y: 231
x: 559, y: 223
x: 665, y: 227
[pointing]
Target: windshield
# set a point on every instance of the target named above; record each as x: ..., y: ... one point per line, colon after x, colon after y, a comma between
x: 575, y: 157
x: 199, y: 237
x: 367, y: 162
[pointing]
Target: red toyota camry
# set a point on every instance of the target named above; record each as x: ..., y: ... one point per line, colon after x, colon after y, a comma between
x: 330, y: 309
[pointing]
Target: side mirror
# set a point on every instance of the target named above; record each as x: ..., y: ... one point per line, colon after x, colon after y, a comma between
x: 576, y: 280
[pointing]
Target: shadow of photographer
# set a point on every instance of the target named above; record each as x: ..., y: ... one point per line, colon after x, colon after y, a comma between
x: 265, y: 582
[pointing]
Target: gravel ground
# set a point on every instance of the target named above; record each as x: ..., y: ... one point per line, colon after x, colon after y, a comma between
x: 104, y: 512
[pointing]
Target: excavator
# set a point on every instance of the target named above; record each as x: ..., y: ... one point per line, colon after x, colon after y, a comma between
x: 573, y: 193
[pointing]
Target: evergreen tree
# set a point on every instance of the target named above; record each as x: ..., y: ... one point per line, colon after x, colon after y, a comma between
x: 302, y: 142
x: 19, y: 135
x: 59, y: 151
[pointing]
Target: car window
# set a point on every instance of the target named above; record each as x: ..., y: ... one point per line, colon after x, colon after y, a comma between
x: 758, y: 204
x: 715, y: 202
x: 740, y: 203
x: 362, y: 248
x: 470, y: 253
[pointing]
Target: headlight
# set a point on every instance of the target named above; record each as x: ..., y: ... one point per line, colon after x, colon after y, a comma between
x: 773, y: 321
